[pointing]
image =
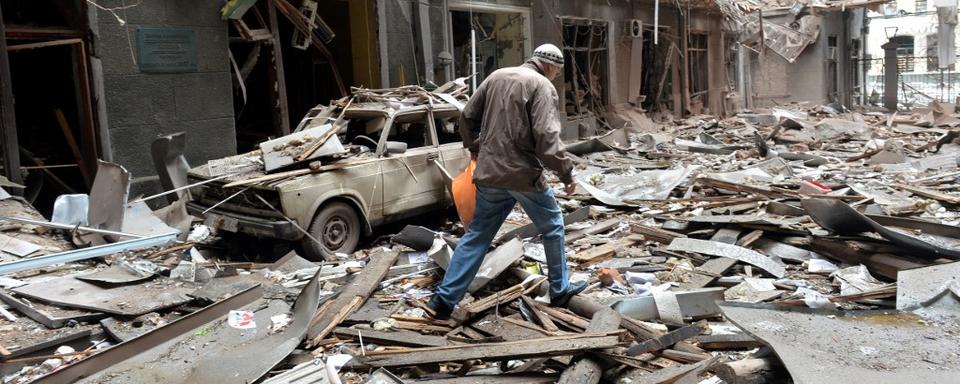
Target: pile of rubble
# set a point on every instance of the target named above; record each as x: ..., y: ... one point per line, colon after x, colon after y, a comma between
x: 804, y: 244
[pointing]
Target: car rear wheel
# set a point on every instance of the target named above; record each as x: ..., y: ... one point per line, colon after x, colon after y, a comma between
x: 337, y: 228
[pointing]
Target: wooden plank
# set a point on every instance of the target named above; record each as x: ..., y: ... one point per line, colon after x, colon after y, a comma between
x: 750, y: 238
x: 726, y: 235
x: 605, y: 251
x: 532, y: 348
x: 662, y: 236
x: 539, y: 315
x: 352, y: 296
x: 748, y: 371
x: 566, y: 317
x: 931, y: 194
x: 501, y: 297
x: 683, y: 357
x: 712, y: 268
x: 727, y: 342
x: 498, y: 379
x: 72, y: 143
x: 666, y: 340
x: 601, y: 227
x: 401, y: 338
x: 589, y: 370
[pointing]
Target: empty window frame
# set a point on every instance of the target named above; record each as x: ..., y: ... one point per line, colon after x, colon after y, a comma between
x: 585, y: 51
x: 698, y: 64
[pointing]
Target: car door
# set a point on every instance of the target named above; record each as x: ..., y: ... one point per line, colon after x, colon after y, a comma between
x: 452, y: 153
x: 411, y: 182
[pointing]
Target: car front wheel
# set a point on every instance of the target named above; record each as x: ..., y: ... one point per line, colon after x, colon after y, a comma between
x: 336, y: 229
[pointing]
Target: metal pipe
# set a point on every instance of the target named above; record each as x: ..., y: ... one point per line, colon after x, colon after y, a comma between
x: 68, y: 227
x: 473, y: 55
x: 86, y: 253
x: 656, y: 22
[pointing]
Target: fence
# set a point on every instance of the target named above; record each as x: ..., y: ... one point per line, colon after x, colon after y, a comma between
x: 920, y: 81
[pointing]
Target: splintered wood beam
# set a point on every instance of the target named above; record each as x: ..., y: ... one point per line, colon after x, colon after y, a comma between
x: 666, y: 340
x: 72, y: 143
x: 605, y: 251
x: 590, y: 369
x: 539, y: 315
x: 513, y: 350
x: 931, y: 194
x: 711, y: 268
x: 352, y: 296
x: 401, y: 338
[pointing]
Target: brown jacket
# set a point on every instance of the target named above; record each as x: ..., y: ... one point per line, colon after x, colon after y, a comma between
x: 516, y: 110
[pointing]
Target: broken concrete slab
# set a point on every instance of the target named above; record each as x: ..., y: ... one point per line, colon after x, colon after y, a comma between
x: 917, y: 286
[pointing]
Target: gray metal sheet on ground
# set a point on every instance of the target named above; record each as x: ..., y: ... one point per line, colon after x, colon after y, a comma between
x: 130, y: 300
x: 876, y: 347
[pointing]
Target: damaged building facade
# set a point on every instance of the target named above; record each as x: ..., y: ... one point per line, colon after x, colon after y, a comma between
x: 272, y: 191
x: 237, y: 79
x: 620, y: 55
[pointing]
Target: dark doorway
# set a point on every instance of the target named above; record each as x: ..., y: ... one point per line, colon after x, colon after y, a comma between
x: 47, y: 56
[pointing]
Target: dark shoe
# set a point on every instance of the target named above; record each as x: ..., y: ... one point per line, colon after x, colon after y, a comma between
x: 441, y: 310
x: 572, y: 290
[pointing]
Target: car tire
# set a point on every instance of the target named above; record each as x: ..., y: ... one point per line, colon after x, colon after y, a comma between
x: 337, y: 227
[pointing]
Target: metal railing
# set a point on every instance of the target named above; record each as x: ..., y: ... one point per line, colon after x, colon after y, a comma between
x: 920, y: 80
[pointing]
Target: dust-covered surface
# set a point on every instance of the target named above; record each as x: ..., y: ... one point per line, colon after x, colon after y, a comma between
x: 857, y: 347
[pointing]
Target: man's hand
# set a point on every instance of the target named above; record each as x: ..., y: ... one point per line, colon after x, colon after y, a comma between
x: 569, y: 189
x: 473, y: 156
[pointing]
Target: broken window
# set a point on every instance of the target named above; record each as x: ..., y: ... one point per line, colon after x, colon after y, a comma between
x: 446, y: 123
x: 933, y: 63
x: 833, y: 68
x: 904, y: 53
x: 411, y: 129
x: 585, y: 43
x: 697, y: 62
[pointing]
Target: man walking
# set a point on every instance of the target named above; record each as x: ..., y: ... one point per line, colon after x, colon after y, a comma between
x: 515, y: 110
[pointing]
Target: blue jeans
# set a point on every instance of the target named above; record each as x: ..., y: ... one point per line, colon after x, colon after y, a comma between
x: 493, y: 206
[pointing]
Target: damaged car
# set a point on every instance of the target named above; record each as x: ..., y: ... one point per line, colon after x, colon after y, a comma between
x: 389, y: 157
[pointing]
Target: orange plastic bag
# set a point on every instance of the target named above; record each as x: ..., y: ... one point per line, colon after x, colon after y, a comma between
x: 465, y: 194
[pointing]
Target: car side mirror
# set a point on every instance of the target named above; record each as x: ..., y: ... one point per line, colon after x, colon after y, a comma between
x: 396, y: 147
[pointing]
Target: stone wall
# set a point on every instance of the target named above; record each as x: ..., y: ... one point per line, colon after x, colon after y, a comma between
x: 135, y: 107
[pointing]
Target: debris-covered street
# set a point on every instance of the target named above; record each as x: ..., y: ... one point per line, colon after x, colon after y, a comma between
x: 294, y: 191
